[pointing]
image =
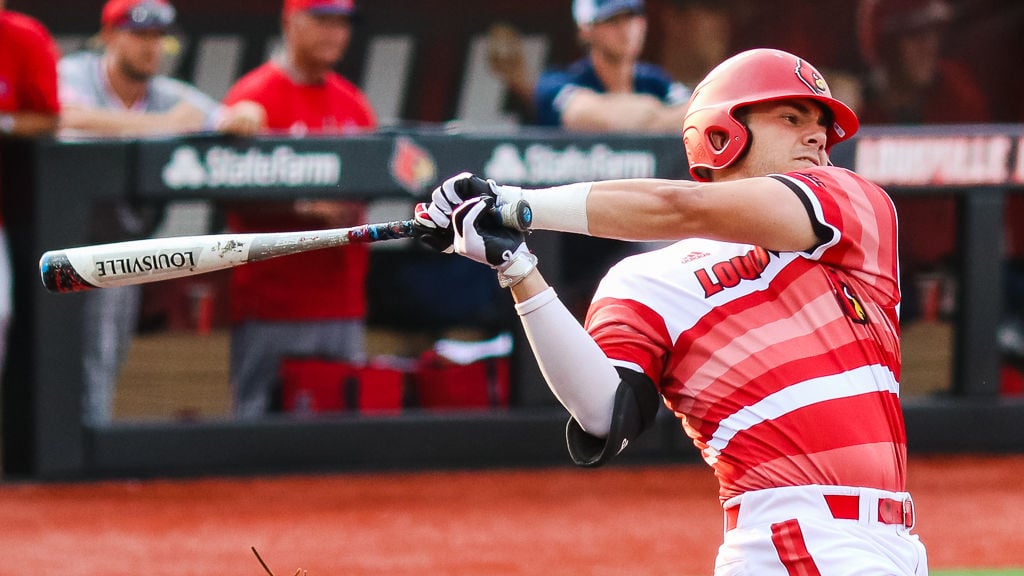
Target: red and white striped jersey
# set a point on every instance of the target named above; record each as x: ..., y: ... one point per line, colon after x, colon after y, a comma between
x: 783, y: 367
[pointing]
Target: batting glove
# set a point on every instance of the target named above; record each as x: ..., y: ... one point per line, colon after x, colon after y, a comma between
x: 480, y: 236
x: 433, y: 221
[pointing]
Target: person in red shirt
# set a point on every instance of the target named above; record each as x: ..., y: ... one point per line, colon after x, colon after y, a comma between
x: 311, y: 304
x: 28, y: 76
x: 28, y: 107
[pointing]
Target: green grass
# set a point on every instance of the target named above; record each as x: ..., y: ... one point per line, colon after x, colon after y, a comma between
x: 1005, y: 572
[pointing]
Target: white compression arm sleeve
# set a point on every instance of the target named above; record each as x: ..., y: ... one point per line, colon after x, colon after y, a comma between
x: 575, y: 368
x: 560, y: 208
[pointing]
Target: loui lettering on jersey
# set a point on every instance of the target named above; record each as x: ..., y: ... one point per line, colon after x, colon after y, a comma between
x: 729, y: 273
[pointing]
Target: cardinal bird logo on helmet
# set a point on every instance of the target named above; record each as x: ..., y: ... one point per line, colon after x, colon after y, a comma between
x: 810, y: 77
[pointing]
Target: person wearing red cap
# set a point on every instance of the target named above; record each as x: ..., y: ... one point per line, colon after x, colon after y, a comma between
x: 28, y: 107
x: 118, y: 91
x: 311, y: 304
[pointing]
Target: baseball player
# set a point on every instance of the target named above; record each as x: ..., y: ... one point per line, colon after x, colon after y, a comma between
x: 770, y: 329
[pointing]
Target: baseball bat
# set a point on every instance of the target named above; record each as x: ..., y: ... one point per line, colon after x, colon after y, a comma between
x: 158, y: 259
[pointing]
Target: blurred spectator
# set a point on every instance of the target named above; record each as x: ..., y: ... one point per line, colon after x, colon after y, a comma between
x: 118, y: 92
x: 910, y: 79
x: 695, y: 36
x: 28, y: 107
x: 28, y: 76
x: 506, y: 59
x: 311, y: 304
x: 610, y: 89
x: 819, y: 31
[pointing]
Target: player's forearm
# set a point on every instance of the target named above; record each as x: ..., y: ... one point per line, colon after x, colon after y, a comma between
x: 645, y: 210
x: 640, y: 209
x: 760, y: 211
x: 575, y: 368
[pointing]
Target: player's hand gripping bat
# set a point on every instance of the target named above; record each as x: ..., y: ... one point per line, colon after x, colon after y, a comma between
x: 157, y: 259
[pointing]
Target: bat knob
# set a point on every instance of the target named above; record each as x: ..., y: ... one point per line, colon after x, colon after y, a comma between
x: 517, y: 215
x: 59, y: 275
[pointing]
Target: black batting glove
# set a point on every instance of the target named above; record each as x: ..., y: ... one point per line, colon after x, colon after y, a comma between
x: 432, y: 222
x: 480, y: 236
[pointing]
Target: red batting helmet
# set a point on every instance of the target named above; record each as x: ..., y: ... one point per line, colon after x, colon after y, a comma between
x: 751, y: 77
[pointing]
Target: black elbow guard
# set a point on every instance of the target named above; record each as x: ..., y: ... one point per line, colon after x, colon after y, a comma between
x: 636, y: 405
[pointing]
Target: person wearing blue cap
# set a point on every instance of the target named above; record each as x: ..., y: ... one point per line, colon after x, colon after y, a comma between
x: 610, y: 89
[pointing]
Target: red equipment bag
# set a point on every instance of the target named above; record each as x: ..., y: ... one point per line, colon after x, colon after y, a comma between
x: 317, y: 385
x: 441, y: 383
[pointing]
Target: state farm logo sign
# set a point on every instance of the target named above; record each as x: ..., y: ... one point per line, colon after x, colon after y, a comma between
x: 543, y: 164
x: 223, y: 167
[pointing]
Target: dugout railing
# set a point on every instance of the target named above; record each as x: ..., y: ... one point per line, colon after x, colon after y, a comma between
x: 50, y: 187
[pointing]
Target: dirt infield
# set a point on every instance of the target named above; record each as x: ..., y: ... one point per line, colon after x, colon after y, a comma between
x: 645, y: 520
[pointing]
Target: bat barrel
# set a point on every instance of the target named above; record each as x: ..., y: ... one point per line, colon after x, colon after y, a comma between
x: 157, y: 259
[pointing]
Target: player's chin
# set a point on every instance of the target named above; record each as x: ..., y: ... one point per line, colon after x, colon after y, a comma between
x: 328, y: 56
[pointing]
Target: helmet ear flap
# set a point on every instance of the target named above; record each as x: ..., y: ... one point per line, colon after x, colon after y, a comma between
x: 714, y: 143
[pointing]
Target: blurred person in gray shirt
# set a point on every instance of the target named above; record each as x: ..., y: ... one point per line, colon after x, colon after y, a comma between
x: 118, y: 92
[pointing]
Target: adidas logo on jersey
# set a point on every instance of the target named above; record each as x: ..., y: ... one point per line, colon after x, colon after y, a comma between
x: 695, y: 255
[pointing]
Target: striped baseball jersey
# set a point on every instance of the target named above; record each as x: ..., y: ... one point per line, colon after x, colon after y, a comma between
x: 784, y: 367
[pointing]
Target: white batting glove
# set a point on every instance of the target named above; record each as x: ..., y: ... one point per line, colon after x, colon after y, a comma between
x: 480, y: 236
x: 433, y: 221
